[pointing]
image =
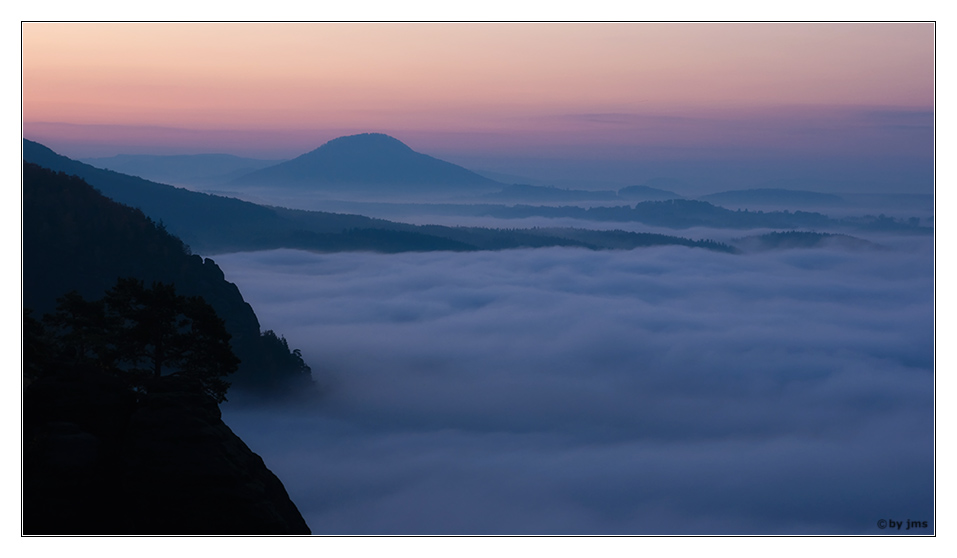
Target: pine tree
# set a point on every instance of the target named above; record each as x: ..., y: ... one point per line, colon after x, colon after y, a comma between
x: 147, y: 333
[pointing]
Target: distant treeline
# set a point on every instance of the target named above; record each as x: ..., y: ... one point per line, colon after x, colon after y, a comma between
x: 531, y: 194
x: 682, y: 214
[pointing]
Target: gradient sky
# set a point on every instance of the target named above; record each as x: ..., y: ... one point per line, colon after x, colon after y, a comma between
x: 613, y: 101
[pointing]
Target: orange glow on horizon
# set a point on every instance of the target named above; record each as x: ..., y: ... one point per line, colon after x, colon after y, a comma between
x: 456, y: 77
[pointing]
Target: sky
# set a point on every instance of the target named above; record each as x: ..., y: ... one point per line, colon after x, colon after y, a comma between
x: 843, y: 106
x: 752, y: 366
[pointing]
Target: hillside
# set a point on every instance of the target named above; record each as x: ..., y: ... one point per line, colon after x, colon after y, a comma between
x: 791, y: 240
x: 684, y: 214
x: 773, y: 197
x: 218, y: 224
x: 646, y: 193
x: 76, y: 239
x: 205, y: 222
x: 186, y: 170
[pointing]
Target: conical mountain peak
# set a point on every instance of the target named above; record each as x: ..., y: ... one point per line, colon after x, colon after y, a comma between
x: 369, y: 163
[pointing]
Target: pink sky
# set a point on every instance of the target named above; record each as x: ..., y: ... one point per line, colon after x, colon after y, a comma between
x: 472, y: 90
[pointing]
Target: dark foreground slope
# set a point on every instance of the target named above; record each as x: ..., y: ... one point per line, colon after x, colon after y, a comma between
x: 100, y: 459
x: 75, y: 239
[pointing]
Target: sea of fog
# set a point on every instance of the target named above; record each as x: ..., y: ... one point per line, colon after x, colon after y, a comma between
x: 566, y: 391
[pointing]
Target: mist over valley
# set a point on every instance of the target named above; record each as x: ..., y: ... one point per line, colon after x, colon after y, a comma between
x: 462, y: 279
x: 666, y: 366
x: 559, y: 390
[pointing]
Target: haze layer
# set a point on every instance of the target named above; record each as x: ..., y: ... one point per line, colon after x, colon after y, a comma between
x: 661, y: 390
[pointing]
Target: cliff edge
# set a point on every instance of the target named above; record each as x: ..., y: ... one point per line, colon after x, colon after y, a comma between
x: 102, y: 459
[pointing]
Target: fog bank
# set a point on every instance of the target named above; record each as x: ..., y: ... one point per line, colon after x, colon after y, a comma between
x: 565, y: 391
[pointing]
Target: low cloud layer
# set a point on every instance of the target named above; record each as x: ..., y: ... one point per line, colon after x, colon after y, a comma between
x: 664, y: 390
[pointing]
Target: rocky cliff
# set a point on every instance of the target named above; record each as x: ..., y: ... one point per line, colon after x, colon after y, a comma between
x: 101, y: 459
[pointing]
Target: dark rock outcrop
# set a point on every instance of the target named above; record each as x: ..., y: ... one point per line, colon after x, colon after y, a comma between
x: 100, y: 459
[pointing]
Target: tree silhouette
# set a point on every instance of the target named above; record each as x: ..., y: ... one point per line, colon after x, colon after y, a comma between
x: 205, y: 352
x: 76, y: 239
x: 82, y: 331
x: 146, y: 333
x: 153, y: 326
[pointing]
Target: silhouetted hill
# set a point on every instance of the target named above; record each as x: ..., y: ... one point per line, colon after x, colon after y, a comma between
x: 369, y: 163
x: 544, y: 194
x: 219, y: 224
x: 626, y: 240
x: 205, y: 222
x: 101, y: 459
x: 774, y: 196
x: 185, y: 170
x: 683, y: 214
x: 76, y: 239
x: 789, y: 240
x: 646, y: 193
x: 216, y: 224
x: 675, y: 213
x: 527, y: 193
x: 481, y: 238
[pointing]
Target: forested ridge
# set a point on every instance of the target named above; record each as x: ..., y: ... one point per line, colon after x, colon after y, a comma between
x: 217, y: 224
x: 129, y: 343
x: 74, y: 239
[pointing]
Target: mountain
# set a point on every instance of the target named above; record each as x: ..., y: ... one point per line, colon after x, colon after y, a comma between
x: 216, y: 224
x: 789, y: 240
x: 209, y: 223
x: 205, y: 222
x: 526, y: 193
x: 545, y: 194
x: 683, y: 214
x: 773, y: 196
x: 505, y: 178
x: 76, y: 239
x: 673, y: 213
x: 646, y: 193
x: 369, y: 163
x: 183, y: 170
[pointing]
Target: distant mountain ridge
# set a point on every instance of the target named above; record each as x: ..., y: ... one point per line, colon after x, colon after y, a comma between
x: 647, y: 193
x: 527, y: 192
x: 368, y: 163
x: 206, y: 169
x: 790, y: 240
x: 209, y: 223
x: 684, y: 214
x: 205, y: 222
x: 546, y: 194
x: 773, y: 196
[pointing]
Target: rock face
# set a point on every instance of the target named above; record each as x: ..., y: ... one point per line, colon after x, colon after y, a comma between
x: 100, y: 459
